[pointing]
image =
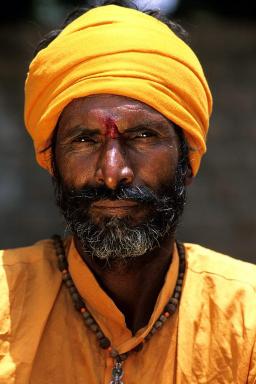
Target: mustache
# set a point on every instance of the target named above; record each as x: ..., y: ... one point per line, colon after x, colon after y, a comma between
x: 140, y: 194
x: 136, y: 193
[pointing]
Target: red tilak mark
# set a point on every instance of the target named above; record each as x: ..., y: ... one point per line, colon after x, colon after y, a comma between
x: 111, y: 129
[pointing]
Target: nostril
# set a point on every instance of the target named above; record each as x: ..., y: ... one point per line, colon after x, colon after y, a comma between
x: 126, y: 175
x: 99, y: 176
x: 112, y: 179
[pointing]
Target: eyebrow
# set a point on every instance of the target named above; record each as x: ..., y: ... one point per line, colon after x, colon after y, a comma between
x: 149, y: 124
x: 82, y: 130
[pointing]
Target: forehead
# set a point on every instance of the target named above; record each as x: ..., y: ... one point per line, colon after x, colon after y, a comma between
x: 98, y: 109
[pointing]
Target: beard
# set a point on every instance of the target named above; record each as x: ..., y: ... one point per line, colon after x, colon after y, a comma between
x: 120, y: 238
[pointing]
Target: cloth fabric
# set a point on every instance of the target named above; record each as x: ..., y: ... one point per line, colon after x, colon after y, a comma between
x: 211, y: 339
x: 116, y: 50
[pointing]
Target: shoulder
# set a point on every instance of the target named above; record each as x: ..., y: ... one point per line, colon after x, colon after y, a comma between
x: 204, y: 261
x: 20, y: 265
x: 217, y: 320
x: 29, y: 277
x: 26, y: 274
x: 27, y: 268
x: 23, y: 268
x: 29, y: 284
x: 221, y: 285
x: 42, y: 250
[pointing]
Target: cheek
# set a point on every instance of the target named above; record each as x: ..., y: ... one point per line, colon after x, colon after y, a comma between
x: 75, y: 170
x: 158, y: 167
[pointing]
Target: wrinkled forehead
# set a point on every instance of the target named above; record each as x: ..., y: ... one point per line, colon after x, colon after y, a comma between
x: 116, y: 113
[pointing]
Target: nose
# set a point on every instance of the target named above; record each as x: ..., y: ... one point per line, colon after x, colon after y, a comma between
x: 112, y: 167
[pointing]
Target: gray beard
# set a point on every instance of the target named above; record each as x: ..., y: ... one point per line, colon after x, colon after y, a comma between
x: 117, y: 239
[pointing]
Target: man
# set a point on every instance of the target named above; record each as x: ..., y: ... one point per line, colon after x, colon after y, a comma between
x: 118, y: 108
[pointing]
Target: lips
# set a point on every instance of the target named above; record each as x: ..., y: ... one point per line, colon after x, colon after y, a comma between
x: 114, y: 204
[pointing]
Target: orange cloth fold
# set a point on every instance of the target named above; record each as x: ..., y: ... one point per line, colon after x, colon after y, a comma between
x: 116, y: 50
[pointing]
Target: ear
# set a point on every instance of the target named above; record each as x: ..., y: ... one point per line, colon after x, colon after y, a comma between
x: 189, y: 176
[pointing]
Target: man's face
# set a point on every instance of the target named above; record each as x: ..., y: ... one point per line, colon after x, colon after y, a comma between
x: 119, y: 183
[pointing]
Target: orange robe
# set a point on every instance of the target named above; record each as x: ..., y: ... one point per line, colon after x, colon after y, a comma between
x: 43, y: 339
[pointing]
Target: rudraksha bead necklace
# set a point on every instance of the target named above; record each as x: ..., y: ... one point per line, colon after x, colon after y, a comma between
x: 104, y: 342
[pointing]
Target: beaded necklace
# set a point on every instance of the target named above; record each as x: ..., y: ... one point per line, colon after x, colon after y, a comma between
x: 104, y: 342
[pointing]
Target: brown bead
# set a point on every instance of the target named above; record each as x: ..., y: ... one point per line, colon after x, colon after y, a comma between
x: 62, y: 257
x: 75, y: 296
x: 69, y: 283
x: 62, y: 264
x: 94, y: 327
x: 158, y: 324
x: 171, y: 308
x: 179, y: 282
x: 174, y: 301
x: 153, y: 331
x: 89, y: 321
x: 178, y: 288
x: 85, y: 315
x: 78, y: 303
x: 162, y: 318
x: 66, y: 276
x: 99, y: 335
x: 182, y: 266
x: 72, y: 289
x: 104, y: 343
x: 176, y: 295
x: 114, y: 353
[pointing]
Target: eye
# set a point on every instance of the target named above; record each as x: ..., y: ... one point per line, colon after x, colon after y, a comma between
x: 89, y: 139
x: 144, y: 134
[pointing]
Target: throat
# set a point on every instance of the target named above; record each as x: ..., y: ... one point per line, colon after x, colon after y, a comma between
x: 136, y: 300
x: 134, y: 285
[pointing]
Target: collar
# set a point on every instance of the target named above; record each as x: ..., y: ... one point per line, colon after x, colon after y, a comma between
x: 110, y: 319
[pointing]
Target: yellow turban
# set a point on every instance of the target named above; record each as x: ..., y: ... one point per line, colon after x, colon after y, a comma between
x: 121, y: 51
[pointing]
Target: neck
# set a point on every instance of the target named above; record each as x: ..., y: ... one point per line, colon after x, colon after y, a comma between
x: 133, y: 284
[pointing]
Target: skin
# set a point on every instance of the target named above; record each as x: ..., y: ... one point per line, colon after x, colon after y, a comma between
x: 109, y: 139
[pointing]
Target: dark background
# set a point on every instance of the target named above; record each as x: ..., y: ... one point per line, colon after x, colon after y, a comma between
x: 221, y: 211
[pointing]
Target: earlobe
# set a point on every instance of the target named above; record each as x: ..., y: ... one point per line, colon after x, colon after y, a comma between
x: 189, y: 176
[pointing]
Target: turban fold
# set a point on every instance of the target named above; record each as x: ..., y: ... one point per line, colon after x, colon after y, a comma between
x: 116, y: 50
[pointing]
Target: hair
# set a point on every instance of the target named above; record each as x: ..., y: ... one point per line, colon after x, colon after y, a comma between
x: 156, y: 13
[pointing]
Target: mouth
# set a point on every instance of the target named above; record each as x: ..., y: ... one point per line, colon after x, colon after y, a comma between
x: 131, y: 209
x: 114, y: 204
